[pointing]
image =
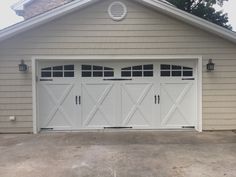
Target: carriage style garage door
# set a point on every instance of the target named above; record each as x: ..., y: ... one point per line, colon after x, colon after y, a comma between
x: 147, y: 94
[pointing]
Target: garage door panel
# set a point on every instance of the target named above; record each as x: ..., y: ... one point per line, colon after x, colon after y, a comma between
x: 98, y: 104
x: 57, y: 110
x: 176, y: 119
x: 137, y: 104
x: 177, y: 105
x: 188, y: 104
x: 44, y: 109
x: 137, y: 119
x: 57, y: 91
x: 58, y: 121
x: 97, y: 120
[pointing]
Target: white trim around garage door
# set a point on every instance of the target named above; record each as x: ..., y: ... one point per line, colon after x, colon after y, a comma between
x: 35, y: 60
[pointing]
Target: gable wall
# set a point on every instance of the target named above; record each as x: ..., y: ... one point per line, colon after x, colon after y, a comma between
x: 143, y: 32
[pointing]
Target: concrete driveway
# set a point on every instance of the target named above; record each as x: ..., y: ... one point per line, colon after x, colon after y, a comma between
x: 119, y: 154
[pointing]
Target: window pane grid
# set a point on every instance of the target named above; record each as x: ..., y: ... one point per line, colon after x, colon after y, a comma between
x: 176, y: 71
x: 58, y: 71
x: 138, y: 71
x: 96, y: 71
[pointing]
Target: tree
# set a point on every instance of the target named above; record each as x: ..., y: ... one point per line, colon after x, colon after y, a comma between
x: 204, y: 9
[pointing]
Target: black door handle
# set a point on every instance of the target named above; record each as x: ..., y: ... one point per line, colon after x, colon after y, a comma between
x: 155, y: 99
x: 158, y: 99
x: 79, y: 100
x: 76, y: 100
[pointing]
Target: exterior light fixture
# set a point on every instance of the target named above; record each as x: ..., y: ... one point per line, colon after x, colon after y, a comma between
x: 23, y: 67
x: 210, y: 65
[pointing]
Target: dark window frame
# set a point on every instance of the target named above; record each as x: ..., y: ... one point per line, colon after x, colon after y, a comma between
x: 174, y: 69
x: 54, y: 71
x: 139, y: 71
x: 96, y: 71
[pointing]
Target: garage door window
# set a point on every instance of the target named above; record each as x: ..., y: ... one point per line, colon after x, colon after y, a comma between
x: 138, y: 71
x: 96, y: 71
x: 58, y: 71
x: 175, y: 71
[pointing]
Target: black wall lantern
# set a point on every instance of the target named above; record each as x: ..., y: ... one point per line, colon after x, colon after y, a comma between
x: 23, y: 67
x: 210, y: 65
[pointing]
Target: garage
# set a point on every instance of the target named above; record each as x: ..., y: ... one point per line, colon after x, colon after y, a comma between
x: 80, y: 67
x: 100, y: 94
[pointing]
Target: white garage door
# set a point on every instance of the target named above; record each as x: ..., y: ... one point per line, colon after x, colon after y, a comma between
x: 140, y: 95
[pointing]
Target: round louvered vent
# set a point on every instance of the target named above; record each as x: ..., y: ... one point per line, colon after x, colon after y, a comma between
x: 117, y: 10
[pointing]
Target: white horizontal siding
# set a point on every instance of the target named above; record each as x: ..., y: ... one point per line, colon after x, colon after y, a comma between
x: 143, y: 32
